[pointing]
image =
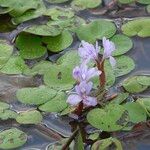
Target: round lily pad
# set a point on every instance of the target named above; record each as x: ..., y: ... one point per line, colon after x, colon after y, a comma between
x: 44, y: 30
x: 60, y: 42
x: 144, y: 80
x: 57, y: 1
x: 122, y: 43
x: 56, y: 104
x: 15, y: 65
x: 133, y: 86
x: 136, y: 112
x: 124, y: 65
x: 35, y: 95
x: 29, y: 117
x: 138, y: 27
x: 111, y: 118
x: 5, y: 51
x: 59, y: 77
x: 83, y: 4
x: 95, y: 30
x: 32, y: 50
x: 12, y: 138
x: 59, y: 13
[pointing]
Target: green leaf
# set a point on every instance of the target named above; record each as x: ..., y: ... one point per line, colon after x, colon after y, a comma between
x: 35, y: 95
x: 7, y: 114
x: 83, y: 4
x: 122, y: 43
x: 124, y: 65
x: 126, y: 1
x: 79, y: 145
x: 112, y: 118
x: 32, y: 50
x: 57, y: 1
x: 30, y: 14
x: 12, y: 138
x: 94, y: 136
x: 105, y: 143
x: 143, y: 1
x: 138, y: 27
x: 136, y: 112
x: 148, y: 8
x: 58, y: 13
x: 120, y: 98
x: 56, y: 104
x: 4, y: 106
x: 29, y: 117
x: 133, y: 86
x: 44, y: 30
x: 41, y: 67
x: 58, y: 43
x: 59, y: 77
x: 5, y: 51
x: 95, y: 30
x: 144, y: 80
x: 15, y: 65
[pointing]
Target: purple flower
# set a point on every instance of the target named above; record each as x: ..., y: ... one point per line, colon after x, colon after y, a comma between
x: 83, y: 73
x: 82, y: 92
x: 88, y: 51
x: 109, y: 47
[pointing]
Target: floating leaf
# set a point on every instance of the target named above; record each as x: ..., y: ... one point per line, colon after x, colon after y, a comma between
x: 95, y: 30
x: 126, y: 1
x: 145, y: 103
x: 7, y: 114
x: 15, y: 65
x: 58, y: 43
x: 124, y: 65
x: 56, y: 104
x: 133, y: 86
x: 83, y: 4
x: 29, y: 117
x: 4, y: 106
x: 94, y: 136
x: 59, y: 77
x: 35, y: 95
x: 144, y: 80
x: 143, y: 1
x: 136, y: 112
x: 44, y: 30
x: 138, y: 27
x: 41, y: 67
x: 57, y: 1
x: 105, y: 143
x: 120, y: 98
x: 5, y: 51
x: 30, y: 14
x: 122, y: 43
x: 59, y: 13
x: 32, y: 50
x: 112, y: 118
x: 12, y: 138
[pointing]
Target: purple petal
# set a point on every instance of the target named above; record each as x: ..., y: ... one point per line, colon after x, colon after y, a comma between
x: 112, y: 61
x: 76, y: 73
x: 74, y: 99
x: 90, y: 101
x: 93, y: 72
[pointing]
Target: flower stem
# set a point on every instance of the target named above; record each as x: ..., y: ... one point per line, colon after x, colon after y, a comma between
x: 102, y: 77
x: 79, y: 109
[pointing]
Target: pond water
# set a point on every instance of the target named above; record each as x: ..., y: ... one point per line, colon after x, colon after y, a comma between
x: 55, y: 127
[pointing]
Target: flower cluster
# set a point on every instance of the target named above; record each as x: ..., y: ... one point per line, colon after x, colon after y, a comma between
x: 82, y: 74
